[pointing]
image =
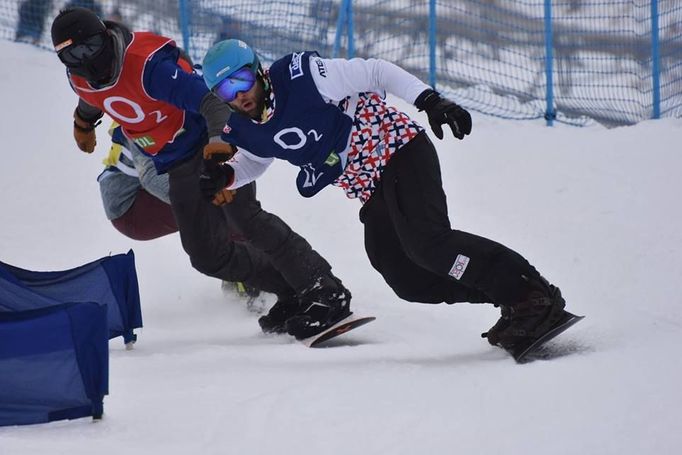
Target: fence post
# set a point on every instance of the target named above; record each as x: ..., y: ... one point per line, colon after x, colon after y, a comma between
x: 655, y: 62
x: 351, y: 32
x: 432, y: 43
x: 340, y: 24
x: 550, y: 113
x: 183, y: 10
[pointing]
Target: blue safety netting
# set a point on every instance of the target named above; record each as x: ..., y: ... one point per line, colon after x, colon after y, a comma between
x: 53, y: 361
x: 110, y: 281
x: 616, y: 61
x: 54, y: 328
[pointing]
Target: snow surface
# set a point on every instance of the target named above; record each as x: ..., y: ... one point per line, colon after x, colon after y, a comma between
x: 596, y: 210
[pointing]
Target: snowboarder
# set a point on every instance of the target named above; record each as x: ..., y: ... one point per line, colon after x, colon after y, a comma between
x: 329, y: 118
x: 134, y: 196
x: 144, y: 82
x: 136, y: 200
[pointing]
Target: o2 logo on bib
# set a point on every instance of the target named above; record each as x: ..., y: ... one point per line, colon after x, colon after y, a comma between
x: 294, y: 138
x: 129, y: 111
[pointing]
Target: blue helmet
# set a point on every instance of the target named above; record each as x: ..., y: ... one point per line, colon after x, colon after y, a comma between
x: 226, y: 57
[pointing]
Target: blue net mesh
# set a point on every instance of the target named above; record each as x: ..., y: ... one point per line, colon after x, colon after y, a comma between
x: 110, y: 282
x: 54, y: 328
x: 53, y: 363
x: 489, y: 55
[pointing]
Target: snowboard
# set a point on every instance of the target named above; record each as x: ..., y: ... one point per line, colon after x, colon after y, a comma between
x: 345, y: 325
x: 522, y: 351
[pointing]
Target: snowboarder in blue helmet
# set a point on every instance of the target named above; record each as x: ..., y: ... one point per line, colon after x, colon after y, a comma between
x: 329, y: 118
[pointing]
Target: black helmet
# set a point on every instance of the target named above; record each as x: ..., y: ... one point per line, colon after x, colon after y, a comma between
x: 83, y: 44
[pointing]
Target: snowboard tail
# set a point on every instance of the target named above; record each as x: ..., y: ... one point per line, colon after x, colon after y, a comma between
x: 345, y: 325
x: 522, y: 350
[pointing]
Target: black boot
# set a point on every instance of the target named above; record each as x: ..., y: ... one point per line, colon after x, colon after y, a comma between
x: 493, y: 334
x: 323, y: 304
x: 283, y: 309
x: 542, y: 308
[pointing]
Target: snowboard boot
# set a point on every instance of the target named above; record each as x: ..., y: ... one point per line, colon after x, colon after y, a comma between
x: 540, y: 310
x: 323, y: 304
x: 493, y: 334
x: 283, y: 309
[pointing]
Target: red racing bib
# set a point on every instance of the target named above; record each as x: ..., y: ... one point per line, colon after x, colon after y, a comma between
x: 150, y: 123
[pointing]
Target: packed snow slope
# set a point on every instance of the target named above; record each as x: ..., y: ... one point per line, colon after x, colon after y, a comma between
x: 596, y: 210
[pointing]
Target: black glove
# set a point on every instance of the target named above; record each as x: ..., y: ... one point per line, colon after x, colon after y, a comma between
x: 214, y: 178
x: 443, y: 111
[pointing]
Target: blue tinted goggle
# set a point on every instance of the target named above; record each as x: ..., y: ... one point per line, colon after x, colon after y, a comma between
x: 240, y: 81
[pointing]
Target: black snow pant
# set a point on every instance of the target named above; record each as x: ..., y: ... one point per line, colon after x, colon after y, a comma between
x: 276, y: 259
x: 409, y: 240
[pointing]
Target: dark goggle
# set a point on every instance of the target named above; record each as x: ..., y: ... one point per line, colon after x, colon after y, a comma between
x: 75, y: 54
x: 240, y: 81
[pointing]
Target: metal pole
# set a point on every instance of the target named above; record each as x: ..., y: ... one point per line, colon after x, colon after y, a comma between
x: 432, y: 43
x: 550, y: 114
x: 351, y: 40
x: 184, y: 24
x: 655, y: 62
x: 340, y: 23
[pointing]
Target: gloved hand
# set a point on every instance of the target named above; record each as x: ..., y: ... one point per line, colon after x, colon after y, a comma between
x: 219, y: 151
x: 213, y: 182
x: 84, y: 132
x: 442, y: 111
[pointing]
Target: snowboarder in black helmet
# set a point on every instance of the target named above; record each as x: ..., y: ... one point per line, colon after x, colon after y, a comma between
x: 148, y: 85
x: 84, y: 45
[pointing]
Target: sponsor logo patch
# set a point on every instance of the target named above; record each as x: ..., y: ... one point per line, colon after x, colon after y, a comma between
x: 321, y: 67
x: 145, y: 141
x: 295, y: 68
x: 223, y: 71
x: 311, y: 176
x: 227, y: 129
x: 64, y: 44
x: 332, y: 159
x: 458, y: 268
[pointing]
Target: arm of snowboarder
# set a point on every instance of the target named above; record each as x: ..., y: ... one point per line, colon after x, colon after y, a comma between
x: 85, y: 119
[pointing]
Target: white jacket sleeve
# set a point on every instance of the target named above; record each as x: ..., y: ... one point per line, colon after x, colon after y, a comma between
x: 247, y: 168
x: 338, y: 78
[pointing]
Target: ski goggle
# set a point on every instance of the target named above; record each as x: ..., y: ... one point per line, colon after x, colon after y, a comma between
x: 76, y: 54
x: 240, y: 81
